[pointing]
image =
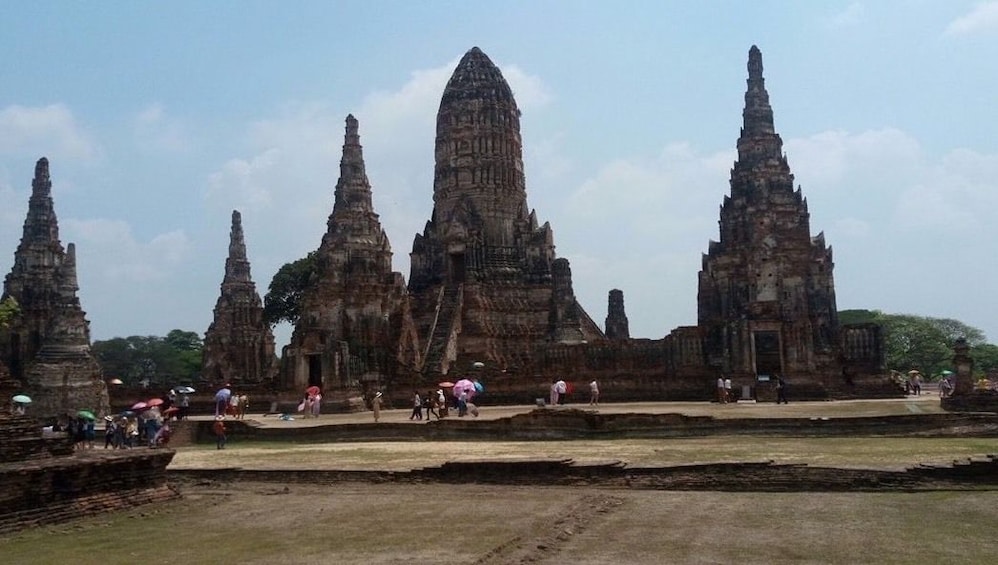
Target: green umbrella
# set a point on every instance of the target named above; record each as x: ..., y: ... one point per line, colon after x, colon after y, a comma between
x: 87, y: 414
x: 21, y: 399
x: 946, y: 373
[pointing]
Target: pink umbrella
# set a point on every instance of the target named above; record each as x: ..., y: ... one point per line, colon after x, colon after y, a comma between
x: 154, y: 402
x: 139, y: 406
x: 465, y: 385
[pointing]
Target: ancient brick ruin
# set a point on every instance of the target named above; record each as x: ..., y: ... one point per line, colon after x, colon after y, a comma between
x: 486, y: 286
x: 354, y: 326
x: 239, y: 345
x: 47, y: 347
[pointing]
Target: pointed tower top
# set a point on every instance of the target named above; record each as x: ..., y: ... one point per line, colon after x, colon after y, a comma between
x: 476, y: 77
x: 353, y: 190
x: 237, y: 268
x: 42, y: 183
x: 758, y: 114
x: 755, y: 63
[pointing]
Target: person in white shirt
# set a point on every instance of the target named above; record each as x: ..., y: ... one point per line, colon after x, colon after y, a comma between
x: 594, y: 393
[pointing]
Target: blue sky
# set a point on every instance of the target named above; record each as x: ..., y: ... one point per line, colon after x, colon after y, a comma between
x: 159, y: 119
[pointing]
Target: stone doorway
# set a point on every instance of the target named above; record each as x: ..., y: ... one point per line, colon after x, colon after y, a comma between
x: 768, y: 353
x: 315, y: 370
x: 455, y: 268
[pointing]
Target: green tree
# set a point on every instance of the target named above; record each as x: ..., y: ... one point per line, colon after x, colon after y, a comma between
x: 283, y: 300
x: 164, y: 361
x: 9, y: 309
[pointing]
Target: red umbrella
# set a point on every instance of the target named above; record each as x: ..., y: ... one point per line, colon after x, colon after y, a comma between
x: 170, y: 410
x: 154, y: 402
x: 139, y: 405
x: 312, y: 390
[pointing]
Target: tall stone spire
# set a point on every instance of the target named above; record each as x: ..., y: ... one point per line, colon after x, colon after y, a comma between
x: 484, y: 280
x: 479, y: 155
x: 766, y: 298
x: 354, y: 313
x: 48, y: 347
x: 353, y: 190
x: 238, y: 346
x: 237, y: 266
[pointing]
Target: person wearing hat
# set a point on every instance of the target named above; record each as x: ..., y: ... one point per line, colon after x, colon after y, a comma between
x: 219, y: 428
x: 109, y: 429
x: 376, y: 405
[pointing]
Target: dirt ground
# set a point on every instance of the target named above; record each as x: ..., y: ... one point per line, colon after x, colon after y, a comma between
x: 402, y: 523
x: 255, y: 523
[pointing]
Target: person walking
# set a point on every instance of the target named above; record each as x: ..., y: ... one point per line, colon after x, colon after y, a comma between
x: 562, y: 391
x: 219, y: 428
x: 376, y: 406
x: 727, y: 389
x: 417, y: 407
x: 554, y: 393
x: 721, y: 398
x: 781, y: 390
x: 594, y: 393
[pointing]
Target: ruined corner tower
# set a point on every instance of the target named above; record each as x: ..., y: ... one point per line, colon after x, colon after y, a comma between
x: 47, y: 347
x: 484, y: 281
x: 766, y: 300
x: 238, y: 346
x: 354, y: 331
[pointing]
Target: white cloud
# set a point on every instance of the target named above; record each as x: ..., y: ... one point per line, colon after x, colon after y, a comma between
x: 44, y: 130
x: 115, y: 257
x: 903, y: 224
x: 983, y: 18
x: 294, y: 165
x: 155, y: 131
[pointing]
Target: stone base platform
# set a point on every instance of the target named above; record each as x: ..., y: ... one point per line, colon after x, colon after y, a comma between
x: 52, y: 490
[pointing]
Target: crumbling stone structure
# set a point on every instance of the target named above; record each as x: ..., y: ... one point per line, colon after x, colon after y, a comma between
x: 355, y: 326
x: 616, y: 320
x: 766, y: 301
x: 47, y: 347
x: 239, y: 345
x: 485, y: 283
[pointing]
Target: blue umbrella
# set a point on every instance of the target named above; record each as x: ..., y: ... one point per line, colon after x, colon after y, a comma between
x: 479, y: 387
x: 223, y: 394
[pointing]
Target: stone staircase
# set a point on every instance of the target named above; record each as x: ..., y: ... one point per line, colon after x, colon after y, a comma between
x: 449, y: 309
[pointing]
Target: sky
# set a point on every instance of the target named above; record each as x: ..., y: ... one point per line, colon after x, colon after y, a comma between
x: 159, y: 119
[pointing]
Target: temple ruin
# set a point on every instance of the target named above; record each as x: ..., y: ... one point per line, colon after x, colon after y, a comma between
x: 47, y: 347
x: 239, y: 345
x: 487, y: 290
x: 355, y: 328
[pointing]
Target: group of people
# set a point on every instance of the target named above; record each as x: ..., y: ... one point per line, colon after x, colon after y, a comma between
x: 432, y: 403
x: 560, y: 390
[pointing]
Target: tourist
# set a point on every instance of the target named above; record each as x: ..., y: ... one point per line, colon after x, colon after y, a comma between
x: 185, y: 405
x: 727, y: 389
x: 233, y: 409
x: 442, y: 403
x: 376, y: 405
x: 89, y: 432
x: 781, y: 390
x: 110, y: 429
x: 594, y: 393
x: 916, y: 385
x: 133, y: 432
x: 553, y: 401
x: 562, y: 391
x: 462, y: 402
x: 721, y: 397
x: 417, y: 407
x: 120, y: 425
x: 432, y: 405
x: 219, y: 428
x: 316, y: 405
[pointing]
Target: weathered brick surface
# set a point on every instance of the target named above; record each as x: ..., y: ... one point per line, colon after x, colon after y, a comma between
x: 748, y: 477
